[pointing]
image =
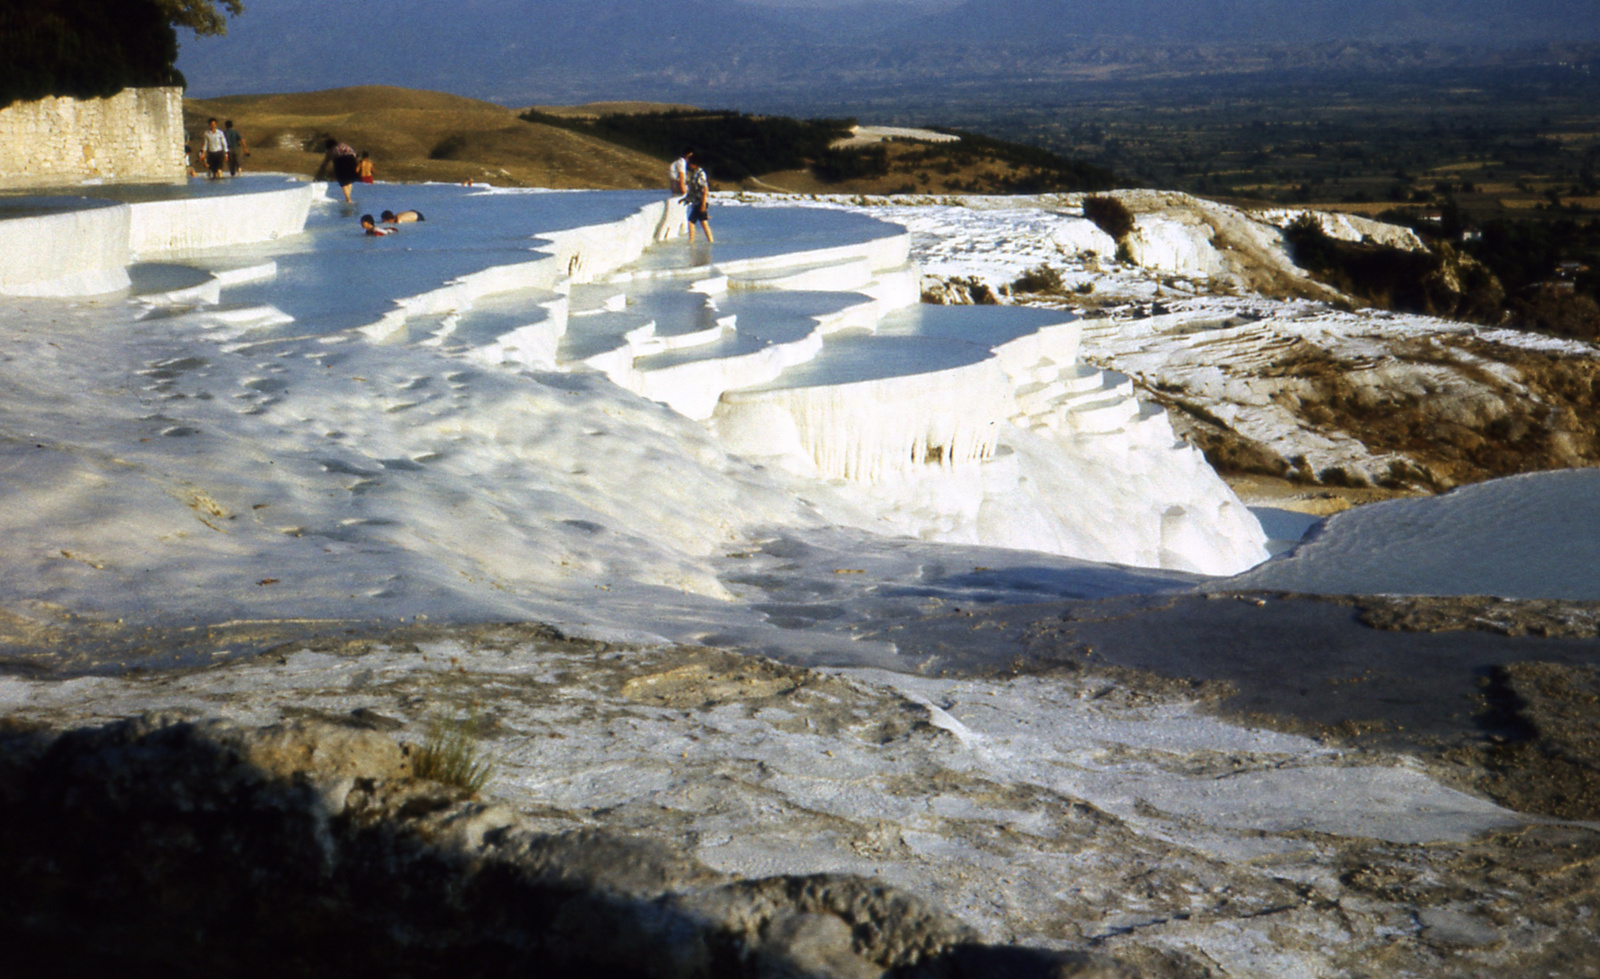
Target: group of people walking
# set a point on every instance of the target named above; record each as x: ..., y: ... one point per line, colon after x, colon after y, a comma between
x: 221, y: 149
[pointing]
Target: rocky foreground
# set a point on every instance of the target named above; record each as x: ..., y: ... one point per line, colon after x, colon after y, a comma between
x: 681, y: 812
x: 308, y: 848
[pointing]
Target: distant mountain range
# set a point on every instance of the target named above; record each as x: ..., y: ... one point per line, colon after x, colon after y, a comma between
x: 722, y: 51
x: 1474, y: 22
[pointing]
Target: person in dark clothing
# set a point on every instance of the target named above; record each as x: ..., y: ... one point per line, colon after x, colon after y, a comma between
x: 343, y: 160
x: 698, y: 200
x: 236, y: 150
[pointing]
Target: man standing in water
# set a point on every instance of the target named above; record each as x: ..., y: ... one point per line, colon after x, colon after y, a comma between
x: 236, y: 150
x: 698, y: 200
x: 214, y: 144
x: 342, y: 159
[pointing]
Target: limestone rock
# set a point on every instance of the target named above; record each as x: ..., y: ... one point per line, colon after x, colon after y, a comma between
x: 205, y: 847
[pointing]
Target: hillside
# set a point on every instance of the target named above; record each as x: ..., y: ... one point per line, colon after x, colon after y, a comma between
x: 417, y: 136
x: 779, y: 153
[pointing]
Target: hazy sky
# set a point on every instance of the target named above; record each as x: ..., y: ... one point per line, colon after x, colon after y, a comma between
x: 814, y: 4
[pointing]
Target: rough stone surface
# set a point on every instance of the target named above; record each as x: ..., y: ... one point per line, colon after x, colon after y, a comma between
x: 206, y: 847
x: 785, y: 820
x: 135, y: 135
x: 1503, y: 616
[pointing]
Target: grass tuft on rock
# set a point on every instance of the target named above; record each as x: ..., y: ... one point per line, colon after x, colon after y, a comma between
x: 450, y: 755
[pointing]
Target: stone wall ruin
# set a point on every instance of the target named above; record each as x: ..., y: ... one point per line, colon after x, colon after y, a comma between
x: 133, y: 136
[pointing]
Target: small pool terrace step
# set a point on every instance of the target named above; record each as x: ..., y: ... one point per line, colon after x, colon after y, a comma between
x: 657, y: 320
x: 1149, y: 427
x: 851, y: 274
x: 1112, y: 384
x: 782, y: 317
x: 588, y: 299
x: 1054, y: 385
x: 524, y: 326
x: 1079, y: 399
x: 692, y: 381
x: 682, y: 318
x: 604, y: 340
x: 169, y: 284
x: 160, y: 284
x: 224, y: 321
x: 1099, y: 417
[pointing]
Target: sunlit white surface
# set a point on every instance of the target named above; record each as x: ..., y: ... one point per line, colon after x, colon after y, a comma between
x: 527, y: 407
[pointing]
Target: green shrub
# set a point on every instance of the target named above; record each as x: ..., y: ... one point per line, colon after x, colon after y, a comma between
x: 450, y: 755
x: 1436, y: 283
x: 834, y: 166
x: 730, y: 145
x: 1039, y: 170
x: 448, y: 148
x: 1043, y: 278
x: 1109, y: 215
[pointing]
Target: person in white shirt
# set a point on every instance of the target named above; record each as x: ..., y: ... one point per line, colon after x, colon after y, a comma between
x: 214, y: 143
x: 677, y: 186
x: 678, y: 174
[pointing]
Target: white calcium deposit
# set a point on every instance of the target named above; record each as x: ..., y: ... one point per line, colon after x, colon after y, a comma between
x: 530, y: 408
x: 1195, y: 312
x: 526, y: 400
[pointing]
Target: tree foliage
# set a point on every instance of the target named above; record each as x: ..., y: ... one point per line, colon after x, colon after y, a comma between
x: 201, y: 16
x: 1109, y: 215
x: 91, y: 48
x: 1441, y: 282
x: 731, y: 145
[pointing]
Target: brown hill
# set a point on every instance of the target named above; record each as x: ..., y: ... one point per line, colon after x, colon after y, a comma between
x: 418, y: 135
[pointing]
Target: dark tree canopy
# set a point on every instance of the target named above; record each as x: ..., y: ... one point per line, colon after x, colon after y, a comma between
x: 89, y: 48
x: 201, y: 16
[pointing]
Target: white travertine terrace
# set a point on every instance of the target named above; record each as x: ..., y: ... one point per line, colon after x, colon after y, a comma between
x: 186, y: 224
x: 798, y: 340
x: 62, y: 247
x: 69, y: 246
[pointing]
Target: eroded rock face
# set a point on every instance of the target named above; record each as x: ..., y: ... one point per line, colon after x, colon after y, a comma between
x: 206, y: 847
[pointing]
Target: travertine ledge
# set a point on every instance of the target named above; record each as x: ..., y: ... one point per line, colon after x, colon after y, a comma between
x: 308, y: 848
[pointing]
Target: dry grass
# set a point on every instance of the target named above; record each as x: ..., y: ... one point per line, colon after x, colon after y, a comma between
x: 450, y: 755
x: 415, y: 135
